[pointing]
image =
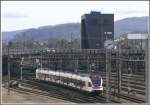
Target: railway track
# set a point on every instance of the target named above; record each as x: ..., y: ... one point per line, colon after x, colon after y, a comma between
x: 50, y: 94
x: 75, y: 95
x: 135, y: 82
x: 58, y: 92
x: 50, y: 90
x: 78, y: 97
x: 47, y: 94
x: 131, y: 99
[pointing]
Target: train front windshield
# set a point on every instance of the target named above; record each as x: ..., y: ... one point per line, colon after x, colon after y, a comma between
x: 96, y: 80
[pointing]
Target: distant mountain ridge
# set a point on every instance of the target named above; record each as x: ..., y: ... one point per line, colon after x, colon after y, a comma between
x: 71, y: 31
x: 134, y: 24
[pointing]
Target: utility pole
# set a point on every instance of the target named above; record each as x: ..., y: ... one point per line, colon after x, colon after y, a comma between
x: 8, y: 46
x: 129, y: 78
x: 21, y: 66
x: 60, y: 69
x: 88, y: 65
x: 41, y: 59
x: 76, y: 66
x: 21, y: 71
x: 120, y: 69
x: 147, y: 59
x: 108, y: 77
x: 8, y: 72
x: 109, y: 45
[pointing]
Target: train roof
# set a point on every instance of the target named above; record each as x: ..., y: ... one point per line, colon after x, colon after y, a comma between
x: 65, y: 74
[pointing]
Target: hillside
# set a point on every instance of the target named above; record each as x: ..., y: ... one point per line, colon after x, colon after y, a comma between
x: 71, y: 31
x: 134, y: 24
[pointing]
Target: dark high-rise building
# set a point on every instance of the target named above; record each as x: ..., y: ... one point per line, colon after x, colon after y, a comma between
x: 96, y: 28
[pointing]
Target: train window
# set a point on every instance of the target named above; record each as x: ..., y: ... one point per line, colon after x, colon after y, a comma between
x: 89, y: 84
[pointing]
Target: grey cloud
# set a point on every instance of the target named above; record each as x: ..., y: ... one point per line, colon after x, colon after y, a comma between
x: 14, y: 15
x: 130, y: 11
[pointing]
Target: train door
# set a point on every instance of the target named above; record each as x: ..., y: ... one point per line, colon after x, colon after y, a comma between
x: 86, y: 85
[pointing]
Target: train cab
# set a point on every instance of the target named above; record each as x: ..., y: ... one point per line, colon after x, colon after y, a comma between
x: 97, y: 83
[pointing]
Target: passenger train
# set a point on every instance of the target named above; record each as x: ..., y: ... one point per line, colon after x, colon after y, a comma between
x: 90, y: 84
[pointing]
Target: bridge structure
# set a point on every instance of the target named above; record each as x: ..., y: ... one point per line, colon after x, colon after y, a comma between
x: 59, y: 59
x: 80, y: 59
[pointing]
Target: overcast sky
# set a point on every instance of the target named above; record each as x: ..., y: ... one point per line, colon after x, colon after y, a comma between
x: 18, y: 15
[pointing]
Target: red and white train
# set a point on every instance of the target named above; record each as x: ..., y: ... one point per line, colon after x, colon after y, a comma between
x: 90, y: 84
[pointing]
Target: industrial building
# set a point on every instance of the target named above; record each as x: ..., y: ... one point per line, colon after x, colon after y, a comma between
x: 96, y: 28
x: 137, y: 41
x: 134, y: 46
